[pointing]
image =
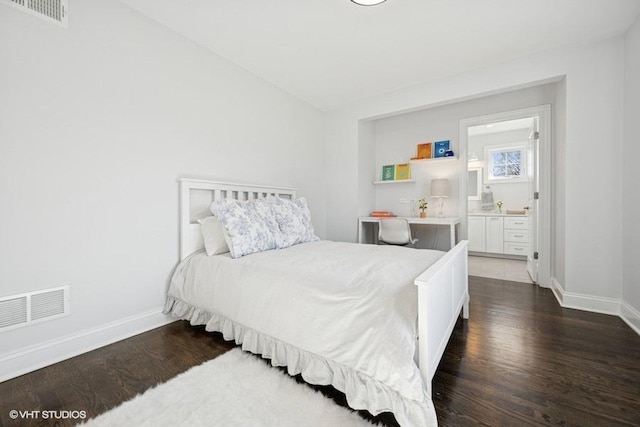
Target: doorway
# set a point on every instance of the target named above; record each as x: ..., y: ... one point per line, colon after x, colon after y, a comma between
x: 508, y: 193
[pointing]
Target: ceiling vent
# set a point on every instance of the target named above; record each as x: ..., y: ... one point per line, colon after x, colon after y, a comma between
x: 49, y: 10
x: 33, y: 307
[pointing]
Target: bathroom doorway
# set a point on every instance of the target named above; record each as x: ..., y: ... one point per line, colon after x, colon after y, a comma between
x: 507, y: 194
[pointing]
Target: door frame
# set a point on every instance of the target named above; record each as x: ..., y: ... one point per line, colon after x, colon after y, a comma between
x: 544, y: 176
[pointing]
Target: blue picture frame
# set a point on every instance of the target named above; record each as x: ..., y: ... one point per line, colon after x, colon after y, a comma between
x: 441, y: 148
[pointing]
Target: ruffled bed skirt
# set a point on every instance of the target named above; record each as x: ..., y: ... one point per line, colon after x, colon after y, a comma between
x: 361, y: 391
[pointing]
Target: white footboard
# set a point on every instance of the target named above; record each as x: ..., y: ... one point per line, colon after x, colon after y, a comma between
x: 443, y: 291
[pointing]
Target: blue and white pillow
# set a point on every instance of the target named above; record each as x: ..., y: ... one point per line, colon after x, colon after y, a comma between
x: 294, y: 220
x: 250, y: 226
x: 264, y: 224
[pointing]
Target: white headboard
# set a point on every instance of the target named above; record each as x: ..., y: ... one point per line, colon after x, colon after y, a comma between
x: 196, y: 195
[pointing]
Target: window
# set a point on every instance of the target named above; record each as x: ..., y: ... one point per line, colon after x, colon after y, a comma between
x: 506, y: 162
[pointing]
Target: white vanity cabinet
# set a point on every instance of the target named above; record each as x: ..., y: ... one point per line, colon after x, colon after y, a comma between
x: 498, y: 234
x: 516, y: 236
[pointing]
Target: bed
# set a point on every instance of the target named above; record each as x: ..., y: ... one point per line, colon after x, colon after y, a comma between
x: 338, y: 313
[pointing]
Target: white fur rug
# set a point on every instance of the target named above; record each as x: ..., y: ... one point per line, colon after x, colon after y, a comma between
x: 235, y: 389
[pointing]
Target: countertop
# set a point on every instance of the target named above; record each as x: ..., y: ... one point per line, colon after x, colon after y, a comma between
x: 494, y: 214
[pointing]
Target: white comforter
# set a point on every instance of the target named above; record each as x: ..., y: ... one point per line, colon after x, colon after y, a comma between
x: 339, y: 313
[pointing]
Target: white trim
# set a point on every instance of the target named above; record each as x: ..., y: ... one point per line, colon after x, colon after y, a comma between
x: 557, y: 290
x: 544, y: 176
x: 631, y: 316
x: 591, y: 303
x: 611, y: 306
x: 585, y: 302
x: 38, y: 356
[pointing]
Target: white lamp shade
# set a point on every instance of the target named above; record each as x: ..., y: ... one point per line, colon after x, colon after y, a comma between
x: 439, y: 188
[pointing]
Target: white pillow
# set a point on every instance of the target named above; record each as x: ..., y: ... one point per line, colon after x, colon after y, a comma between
x: 250, y: 226
x: 213, y: 236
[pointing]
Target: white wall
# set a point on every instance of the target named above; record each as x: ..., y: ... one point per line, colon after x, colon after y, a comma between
x: 397, y: 136
x: 592, y: 255
x: 97, y: 123
x: 514, y: 195
x: 631, y: 154
x: 559, y: 178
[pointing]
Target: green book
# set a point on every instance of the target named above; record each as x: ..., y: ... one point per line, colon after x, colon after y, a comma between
x: 389, y: 172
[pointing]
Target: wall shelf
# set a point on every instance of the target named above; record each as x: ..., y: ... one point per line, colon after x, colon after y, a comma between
x: 435, y: 159
x: 398, y: 181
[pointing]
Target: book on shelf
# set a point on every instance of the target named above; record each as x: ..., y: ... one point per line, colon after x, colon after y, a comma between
x: 424, y: 151
x: 403, y: 172
x: 382, y: 214
x: 388, y: 173
x: 441, y: 148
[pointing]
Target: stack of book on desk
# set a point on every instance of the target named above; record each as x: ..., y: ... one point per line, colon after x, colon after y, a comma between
x: 382, y: 214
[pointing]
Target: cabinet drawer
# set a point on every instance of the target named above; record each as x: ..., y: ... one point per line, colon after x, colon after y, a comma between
x: 520, y: 223
x: 512, y: 248
x: 519, y: 236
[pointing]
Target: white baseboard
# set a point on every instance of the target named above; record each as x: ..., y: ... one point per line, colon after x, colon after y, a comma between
x: 557, y: 290
x: 21, y: 362
x: 631, y: 316
x: 585, y: 302
x: 591, y: 303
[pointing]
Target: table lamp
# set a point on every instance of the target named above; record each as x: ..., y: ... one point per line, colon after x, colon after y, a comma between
x: 440, y: 190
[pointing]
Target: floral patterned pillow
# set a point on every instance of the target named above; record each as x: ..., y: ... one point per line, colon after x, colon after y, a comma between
x: 294, y: 220
x: 264, y: 224
x: 250, y: 226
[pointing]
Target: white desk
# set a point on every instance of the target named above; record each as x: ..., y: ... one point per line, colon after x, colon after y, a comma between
x: 449, y: 222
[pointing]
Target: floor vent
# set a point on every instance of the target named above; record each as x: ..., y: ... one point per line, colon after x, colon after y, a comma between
x: 33, y: 307
x: 49, y: 10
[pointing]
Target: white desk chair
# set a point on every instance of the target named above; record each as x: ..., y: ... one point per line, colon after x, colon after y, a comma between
x: 395, y: 231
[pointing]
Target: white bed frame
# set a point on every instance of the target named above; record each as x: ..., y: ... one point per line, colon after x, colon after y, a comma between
x: 443, y: 291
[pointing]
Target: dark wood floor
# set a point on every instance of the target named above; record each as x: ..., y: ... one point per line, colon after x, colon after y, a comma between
x: 519, y: 360
x: 522, y: 360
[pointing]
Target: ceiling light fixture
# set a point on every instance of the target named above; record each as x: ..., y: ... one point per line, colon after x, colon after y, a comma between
x: 368, y: 2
